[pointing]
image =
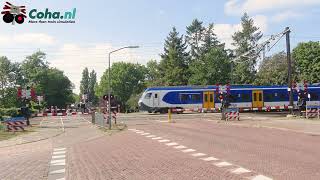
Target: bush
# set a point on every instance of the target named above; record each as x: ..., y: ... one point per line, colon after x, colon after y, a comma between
x: 11, y: 112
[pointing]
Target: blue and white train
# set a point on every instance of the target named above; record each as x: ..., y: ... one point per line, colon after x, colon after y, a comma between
x: 160, y: 99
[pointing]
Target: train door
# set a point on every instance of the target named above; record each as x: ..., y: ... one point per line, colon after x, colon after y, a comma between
x: 208, y: 99
x: 257, y: 98
x: 155, y: 100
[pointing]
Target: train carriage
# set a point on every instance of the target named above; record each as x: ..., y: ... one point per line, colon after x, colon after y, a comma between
x: 245, y: 97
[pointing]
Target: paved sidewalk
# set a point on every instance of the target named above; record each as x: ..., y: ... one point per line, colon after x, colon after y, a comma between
x: 296, y: 124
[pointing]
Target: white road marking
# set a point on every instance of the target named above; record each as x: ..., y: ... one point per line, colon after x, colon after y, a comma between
x: 261, y: 177
x: 210, y: 159
x: 164, y: 140
x: 198, y: 154
x: 132, y: 129
x: 172, y: 144
x: 59, y: 149
x: 151, y: 136
x: 223, y: 164
x: 59, y: 152
x: 180, y: 147
x: 145, y: 134
x: 58, y: 171
x: 57, y: 161
x: 59, y: 156
x: 139, y: 132
x: 240, y: 170
x: 188, y: 150
x: 61, y: 179
x: 157, y: 138
x: 62, y: 125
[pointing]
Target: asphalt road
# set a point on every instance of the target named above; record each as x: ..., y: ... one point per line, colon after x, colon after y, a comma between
x: 195, y: 147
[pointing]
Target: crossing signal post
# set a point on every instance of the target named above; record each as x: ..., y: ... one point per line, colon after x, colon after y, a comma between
x: 224, y: 95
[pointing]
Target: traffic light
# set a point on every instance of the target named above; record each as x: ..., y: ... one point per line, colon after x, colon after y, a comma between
x: 8, y: 18
x: 19, y: 19
x: 106, y: 97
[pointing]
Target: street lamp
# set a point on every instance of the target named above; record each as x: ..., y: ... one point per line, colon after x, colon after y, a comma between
x: 109, y: 81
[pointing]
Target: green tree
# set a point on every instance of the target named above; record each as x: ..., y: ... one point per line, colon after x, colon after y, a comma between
x: 153, y: 77
x: 84, y: 83
x: 174, y: 61
x: 58, y: 91
x: 273, y: 70
x: 195, y: 38
x: 92, y: 83
x: 307, y: 58
x: 9, y: 76
x: 210, y: 40
x: 126, y: 79
x: 212, y: 68
x: 49, y: 82
x: 244, y: 40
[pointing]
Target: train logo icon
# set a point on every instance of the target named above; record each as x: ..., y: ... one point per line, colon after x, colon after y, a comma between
x: 12, y: 13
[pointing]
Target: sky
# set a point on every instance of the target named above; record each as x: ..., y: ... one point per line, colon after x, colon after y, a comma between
x: 104, y: 25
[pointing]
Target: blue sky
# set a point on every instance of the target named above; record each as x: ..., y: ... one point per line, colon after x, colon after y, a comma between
x: 104, y: 25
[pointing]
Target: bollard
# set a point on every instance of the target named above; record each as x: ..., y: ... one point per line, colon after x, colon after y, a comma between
x: 169, y: 115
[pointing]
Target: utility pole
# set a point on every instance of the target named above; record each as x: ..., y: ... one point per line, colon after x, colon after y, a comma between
x: 289, y: 70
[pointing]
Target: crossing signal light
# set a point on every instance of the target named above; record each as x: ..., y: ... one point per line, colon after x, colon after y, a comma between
x: 105, y: 97
x: 8, y: 18
x: 19, y: 19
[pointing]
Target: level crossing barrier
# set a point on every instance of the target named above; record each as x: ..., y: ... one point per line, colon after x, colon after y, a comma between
x: 15, y: 124
x: 232, y: 114
x: 313, y: 110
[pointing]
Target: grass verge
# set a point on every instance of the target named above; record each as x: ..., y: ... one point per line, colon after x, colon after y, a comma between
x: 5, y: 135
x: 114, y: 129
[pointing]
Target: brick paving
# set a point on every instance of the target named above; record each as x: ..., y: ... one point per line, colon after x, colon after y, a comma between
x: 129, y: 156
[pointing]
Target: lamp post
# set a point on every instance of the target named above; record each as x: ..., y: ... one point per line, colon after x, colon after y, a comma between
x: 109, y: 81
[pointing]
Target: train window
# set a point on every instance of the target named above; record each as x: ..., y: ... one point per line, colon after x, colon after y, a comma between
x: 246, y: 97
x: 206, y: 98
x: 211, y: 97
x: 283, y: 97
x: 314, y: 96
x: 195, y: 97
x: 155, y: 95
x: 254, y: 96
x: 183, y: 97
x: 268, y: 97
x: 148, y: 96
x: 260, y: 96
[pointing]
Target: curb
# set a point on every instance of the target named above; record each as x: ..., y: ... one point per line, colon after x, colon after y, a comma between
x: 34, y: 140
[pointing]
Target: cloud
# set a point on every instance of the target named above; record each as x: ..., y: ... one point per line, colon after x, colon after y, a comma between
x: 283, y: 16
x: 236, y: 7
x: 72, y: 59
x: 225, y: 31
x: 28, y: 38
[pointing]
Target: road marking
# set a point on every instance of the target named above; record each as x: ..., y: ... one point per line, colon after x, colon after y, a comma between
x: 223, y: 164
x: 164, y: 140
x: 145, y: 134
x: 240, y: 170
x: 198, y: 154
x: 139, y: 132
x: 58, y: 157
x: 157, y: 138
x: 58, y: 171
x: 151, y: 136
x: 172, y: 144
x: 188, y: 150
x: 61, y: 179
x: 59, y: 149
x: 261, y: 177
x: 59, y: 152
x: 132, y: 129
x: 62, y: 125
x: 209, y: 159
x: 57, y: 161
x: 180, y: 147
